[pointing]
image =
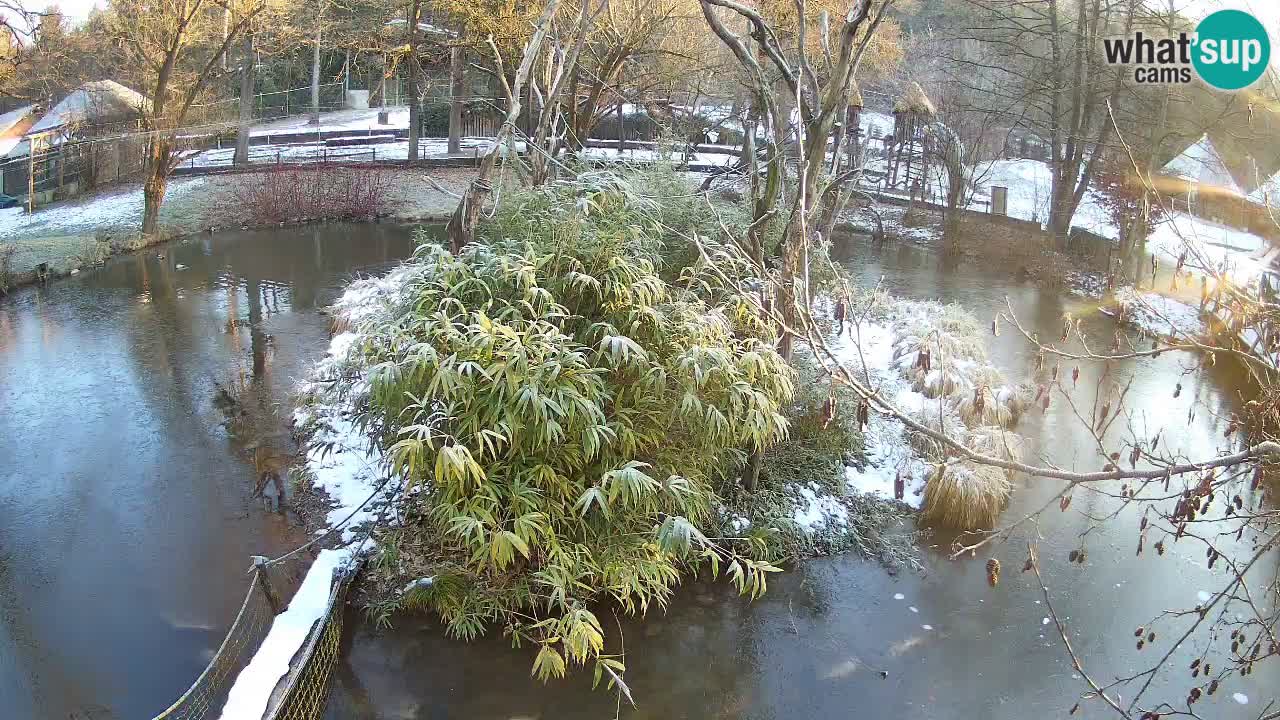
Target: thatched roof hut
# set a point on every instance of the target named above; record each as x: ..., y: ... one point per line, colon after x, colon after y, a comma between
x: 855, y: 95
x: 914, y: 102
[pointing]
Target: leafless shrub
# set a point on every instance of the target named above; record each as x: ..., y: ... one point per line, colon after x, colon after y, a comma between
x: 312, y: 193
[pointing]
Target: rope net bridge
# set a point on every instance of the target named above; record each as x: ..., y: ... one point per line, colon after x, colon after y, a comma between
x: 301, y: 693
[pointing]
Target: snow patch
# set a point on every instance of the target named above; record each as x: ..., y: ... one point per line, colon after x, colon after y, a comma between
x: 887, y: 450
x: 121, y: 209
x: 817, y: 510
x: 1160, y: 315
x: 249, y: 696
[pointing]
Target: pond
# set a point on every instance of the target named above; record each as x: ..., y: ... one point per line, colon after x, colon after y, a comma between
x: 840, y: 636
x: 126, y: 517
x: 126, y: 521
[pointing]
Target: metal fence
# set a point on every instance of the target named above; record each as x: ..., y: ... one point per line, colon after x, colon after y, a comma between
x: 306, y: 689
x: 268, y: 106
x: 72, y: 168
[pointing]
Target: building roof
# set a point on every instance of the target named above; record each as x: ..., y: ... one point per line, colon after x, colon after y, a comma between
x: 101, y: 101
x: 1202, y: 163
x: 855, y: 94
x: 914, y: 101
x: 13, y: 125
x: 1268, y: 192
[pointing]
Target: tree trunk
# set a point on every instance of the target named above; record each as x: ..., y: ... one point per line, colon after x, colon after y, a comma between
x: 457, y: 91
x: 462, y: 224
x: 1060, y: 209
x: 622, y: 128
x: 792, y: 276
x: 415, y: 92
x: 154, y: 187
x: 315, y: 77
x: 247, y: 90
x: 751, y: 473
x: 415, y: 112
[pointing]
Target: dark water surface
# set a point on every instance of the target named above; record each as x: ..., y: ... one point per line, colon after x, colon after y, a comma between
x: 815, y: 645
x: 126, y: 521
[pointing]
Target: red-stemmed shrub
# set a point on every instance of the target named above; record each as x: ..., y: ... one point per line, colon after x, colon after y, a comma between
x: 297, y: 194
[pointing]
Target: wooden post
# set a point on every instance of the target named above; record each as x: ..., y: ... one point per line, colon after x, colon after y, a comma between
x: 260, y: 573
x: 31, y: 175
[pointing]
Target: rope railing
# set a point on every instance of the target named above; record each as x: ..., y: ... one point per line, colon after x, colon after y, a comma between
x: 301, y: 693
x: 204, y: 699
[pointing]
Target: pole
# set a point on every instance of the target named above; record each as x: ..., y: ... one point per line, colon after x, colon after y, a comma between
x: 457, y: 66
x: 315, y: 70
x: 260, y: 576
x: 622, y: 134
x: 31, y: 176
x: 346, y: 78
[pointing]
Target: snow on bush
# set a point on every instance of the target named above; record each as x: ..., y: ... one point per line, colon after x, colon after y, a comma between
x: 887, y: 348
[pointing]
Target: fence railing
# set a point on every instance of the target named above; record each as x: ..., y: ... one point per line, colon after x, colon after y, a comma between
x: 394, y: 151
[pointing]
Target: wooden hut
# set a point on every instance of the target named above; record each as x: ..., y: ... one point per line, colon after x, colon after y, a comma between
x: 853, y: 119
x: 908, y: 162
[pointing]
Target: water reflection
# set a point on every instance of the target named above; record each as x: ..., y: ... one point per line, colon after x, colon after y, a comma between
x: 829, y: 639
x: 125, y: 512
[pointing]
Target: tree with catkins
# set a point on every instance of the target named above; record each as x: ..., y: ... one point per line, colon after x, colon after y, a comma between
x: 1235, y: 537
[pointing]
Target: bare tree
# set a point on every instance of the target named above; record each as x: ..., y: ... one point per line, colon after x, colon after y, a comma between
x: 822, y: 96
x: 462, y: 224
x: 1050, y: 63
x: 173, y: 50
x: 549, y: 87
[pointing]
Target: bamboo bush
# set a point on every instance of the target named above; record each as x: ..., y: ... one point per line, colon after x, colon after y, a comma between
x: 561, y: 416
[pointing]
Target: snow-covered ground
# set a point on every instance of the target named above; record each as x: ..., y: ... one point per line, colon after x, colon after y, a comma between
x: 1210, y: 247
x: 338, y: 120
x: 649, y: 156
x: 1029, y: 182
x: 319, y: 151
x: 887, y: 451
x: 1160, y: 315
x: 123, y: 209
x: 348, y: 467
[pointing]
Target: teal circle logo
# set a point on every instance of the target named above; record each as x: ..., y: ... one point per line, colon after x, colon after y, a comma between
x: 1231, y: 50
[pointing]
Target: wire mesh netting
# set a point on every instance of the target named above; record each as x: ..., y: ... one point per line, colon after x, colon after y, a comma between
x: 301, y: 694
x: 307, y: 689
x: 206, y: 696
